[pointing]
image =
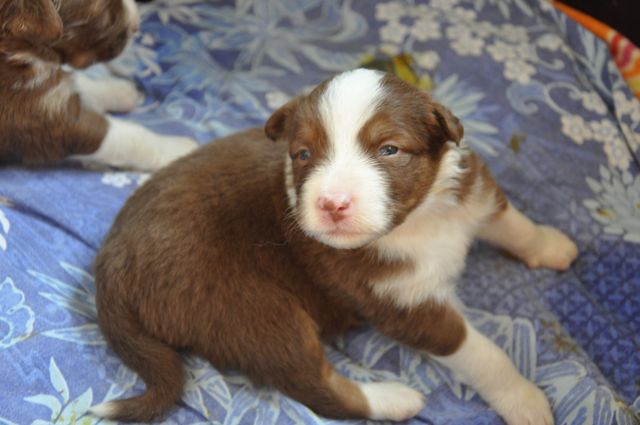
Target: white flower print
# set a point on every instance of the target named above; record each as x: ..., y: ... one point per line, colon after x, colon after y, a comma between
x: 625, y: 106
x: 389, y: 11
x: 483, y: 28
x: 635, y: 112
x: 427, y: 60
x: 501, y: 51
x: 616, y: 203
x: 116, y: 179
x: 419, y: 22
x: 574, y: 127
x: 523, y: 51
x: 16, y: 317
x: 443, y: 4
x: 458, y: 31
x: 514, y: 33
x: 632, y: 136
x: 421, y: 10
x: 139, y: 59
x: 426, y: 29
x: 394, y: 32
x: 62, y: 409
x: 617, y: 153
x: 592, y: 102
x: 603, y: 130
x: 465, y: 15
x: 468, y: 46
x: 518, y: 70
x: 550, y: 42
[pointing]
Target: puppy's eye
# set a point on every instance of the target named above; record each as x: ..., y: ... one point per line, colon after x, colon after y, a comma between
x: 388, y: 150
x: 303, y: 154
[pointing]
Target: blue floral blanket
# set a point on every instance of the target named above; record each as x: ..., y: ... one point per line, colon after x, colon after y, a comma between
x: 540, y: 100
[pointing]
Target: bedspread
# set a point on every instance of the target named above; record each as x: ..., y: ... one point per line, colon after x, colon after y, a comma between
x: 541, y: 101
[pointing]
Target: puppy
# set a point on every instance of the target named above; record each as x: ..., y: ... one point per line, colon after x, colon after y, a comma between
x: 49, y: 114
x: 252, y: 253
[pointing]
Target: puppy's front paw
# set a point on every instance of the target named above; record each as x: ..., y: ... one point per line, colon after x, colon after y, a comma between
x: 524, y: 405
x: 551, y: 249
x: 123, y: 96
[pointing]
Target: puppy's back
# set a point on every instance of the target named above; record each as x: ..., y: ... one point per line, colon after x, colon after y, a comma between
x: 189, y: 238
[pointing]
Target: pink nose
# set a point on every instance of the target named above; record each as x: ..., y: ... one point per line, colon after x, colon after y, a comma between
x: 336, y: 205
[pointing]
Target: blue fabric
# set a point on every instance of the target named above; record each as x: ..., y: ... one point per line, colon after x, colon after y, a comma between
x: 541, y: 101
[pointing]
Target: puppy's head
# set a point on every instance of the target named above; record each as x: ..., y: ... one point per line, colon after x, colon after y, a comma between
x: 95, y: 30
x: 82, y: 32
x: 364, y: 149
x: 36, y: 21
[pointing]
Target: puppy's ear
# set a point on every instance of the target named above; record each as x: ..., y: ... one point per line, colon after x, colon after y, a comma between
x: 36, y: 21
x: 277, y: 123
x: 449, y: 124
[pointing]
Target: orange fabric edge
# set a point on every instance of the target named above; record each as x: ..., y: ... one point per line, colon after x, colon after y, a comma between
x: 598, y: 28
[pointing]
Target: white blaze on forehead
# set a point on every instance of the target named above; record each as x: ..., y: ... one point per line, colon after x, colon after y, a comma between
x: 349, y: 101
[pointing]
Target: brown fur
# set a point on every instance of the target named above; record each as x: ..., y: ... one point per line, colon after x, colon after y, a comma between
x: 35, y: 40
x: 477, y: 172
x: 207, y: 257
x: 94, y: 31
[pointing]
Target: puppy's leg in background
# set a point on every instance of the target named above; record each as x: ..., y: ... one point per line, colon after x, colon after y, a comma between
x: 536, y: 245
x: 107, y: 94
x: 129, y: 145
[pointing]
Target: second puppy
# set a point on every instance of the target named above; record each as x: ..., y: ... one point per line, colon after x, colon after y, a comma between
x: 48, y: 113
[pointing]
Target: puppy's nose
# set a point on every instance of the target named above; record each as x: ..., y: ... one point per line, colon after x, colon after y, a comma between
x: 335, y: 205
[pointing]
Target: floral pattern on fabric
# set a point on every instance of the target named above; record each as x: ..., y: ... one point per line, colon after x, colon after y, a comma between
x: 540, y: 100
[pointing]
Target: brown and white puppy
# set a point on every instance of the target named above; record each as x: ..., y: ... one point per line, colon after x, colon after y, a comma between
x: 251, y: 254
x: 49, y: 114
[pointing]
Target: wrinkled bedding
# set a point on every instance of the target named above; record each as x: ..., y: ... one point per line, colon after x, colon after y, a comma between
x: 541, y: 101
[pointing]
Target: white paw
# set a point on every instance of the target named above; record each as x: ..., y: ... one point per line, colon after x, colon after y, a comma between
x: 392, y: 400
x: 169, y: 148
x: 123, y: 96
x: 525, y: 404
x: 551, y: 249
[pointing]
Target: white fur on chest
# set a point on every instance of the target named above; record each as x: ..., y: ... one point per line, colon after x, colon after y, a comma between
x: 435, y: 238
x: 437, y: 247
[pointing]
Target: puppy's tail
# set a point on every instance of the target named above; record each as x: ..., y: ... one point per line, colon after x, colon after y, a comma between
x: 158, y: 365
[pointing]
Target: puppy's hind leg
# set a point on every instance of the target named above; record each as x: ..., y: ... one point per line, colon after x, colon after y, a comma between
x: 291, y: 358
x: 125, y: 144
x: 536, y: 245
x: 129, y: 145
